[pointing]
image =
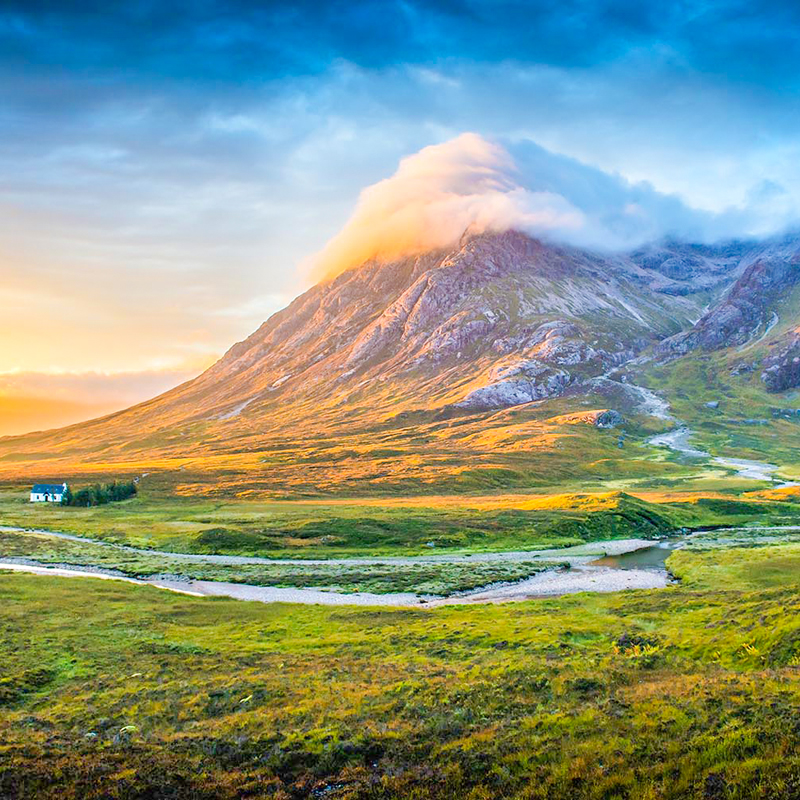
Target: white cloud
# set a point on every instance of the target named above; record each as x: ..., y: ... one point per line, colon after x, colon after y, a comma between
x: 471, y: 184
x: 467, y: 183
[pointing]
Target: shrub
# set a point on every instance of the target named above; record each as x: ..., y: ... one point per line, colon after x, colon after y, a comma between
x: 101, y: 493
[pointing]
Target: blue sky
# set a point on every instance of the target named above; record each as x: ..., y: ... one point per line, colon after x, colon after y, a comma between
x: 166, y: 171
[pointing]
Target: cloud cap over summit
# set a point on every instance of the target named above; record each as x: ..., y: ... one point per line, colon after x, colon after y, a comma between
x: 472, y: 184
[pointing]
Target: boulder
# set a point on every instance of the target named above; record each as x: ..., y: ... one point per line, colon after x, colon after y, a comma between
x: 609, y: 419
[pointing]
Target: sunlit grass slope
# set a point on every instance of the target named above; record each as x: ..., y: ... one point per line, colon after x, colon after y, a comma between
x: 361, y: 453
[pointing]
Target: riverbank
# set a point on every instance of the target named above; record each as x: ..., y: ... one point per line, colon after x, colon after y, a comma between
x: 577, y: 575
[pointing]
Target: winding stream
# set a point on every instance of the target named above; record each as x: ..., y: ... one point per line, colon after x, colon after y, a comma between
x: 600, y: 567
x: 678, y: 440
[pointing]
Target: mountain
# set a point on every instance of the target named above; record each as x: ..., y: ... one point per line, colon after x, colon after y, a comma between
x: 766, y: 277
x: 440, y: 346
x: 457, y: 323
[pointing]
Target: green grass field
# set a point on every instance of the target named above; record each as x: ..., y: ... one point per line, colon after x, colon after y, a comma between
x: 109, y: 690
x: 406, y: 526
x: 115, y: 691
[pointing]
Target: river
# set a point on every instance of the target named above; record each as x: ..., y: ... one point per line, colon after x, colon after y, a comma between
x: 599, y: 567
x: 678, y: 440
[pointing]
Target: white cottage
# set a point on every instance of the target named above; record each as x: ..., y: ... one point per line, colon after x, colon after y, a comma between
x: 48, y: 492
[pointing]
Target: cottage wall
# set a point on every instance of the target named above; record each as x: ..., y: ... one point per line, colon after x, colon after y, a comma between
x: 47, y: 497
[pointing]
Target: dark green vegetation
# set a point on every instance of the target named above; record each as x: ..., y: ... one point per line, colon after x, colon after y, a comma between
x: 99, y: 494
x: 115, y: 691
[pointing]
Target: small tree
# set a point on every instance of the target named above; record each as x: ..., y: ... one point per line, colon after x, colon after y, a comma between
x: 83, y: 497
x: 100, y: 493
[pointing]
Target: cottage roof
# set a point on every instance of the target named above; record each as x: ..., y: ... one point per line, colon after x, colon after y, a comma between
x: 48, y: 488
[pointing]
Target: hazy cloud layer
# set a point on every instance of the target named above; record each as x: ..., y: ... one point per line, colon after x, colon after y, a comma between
x: 37, y: 401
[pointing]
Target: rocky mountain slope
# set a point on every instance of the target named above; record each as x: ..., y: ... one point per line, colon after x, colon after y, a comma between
x: 500, y: 321
x: 743, y: 309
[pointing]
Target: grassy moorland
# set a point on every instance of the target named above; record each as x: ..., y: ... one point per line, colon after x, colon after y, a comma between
x: 748, y: 423
x: 115, y: 691
x: 388, y: 452
x: 549, y: 446
x: 403, y: 526
x: 315, y: 529
x: 300, y: 529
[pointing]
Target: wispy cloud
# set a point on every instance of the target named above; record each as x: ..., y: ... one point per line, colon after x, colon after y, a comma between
x: 470, y: 185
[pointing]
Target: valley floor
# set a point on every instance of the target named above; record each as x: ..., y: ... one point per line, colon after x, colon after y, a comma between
x: 488, y: 577
x: 117, y: 691
x: 394, y: 553
x: 110, y: 689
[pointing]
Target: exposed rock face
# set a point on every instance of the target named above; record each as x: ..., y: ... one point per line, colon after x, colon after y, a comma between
x: 609, y: 419
x: 782, y: 368
x: 518, y: 383
x: 686, y: 268
x: 550, y: 350
x: 550, y: 316
x: 744, y: 309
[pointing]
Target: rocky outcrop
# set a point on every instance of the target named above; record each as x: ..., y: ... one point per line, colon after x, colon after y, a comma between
x: 743, y: 310
x: 682, y: 268
x: 609, y: 419
x: 782, y: 368
x: 557, y: 356
x: 518, y: 383
x: 597, y: 418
